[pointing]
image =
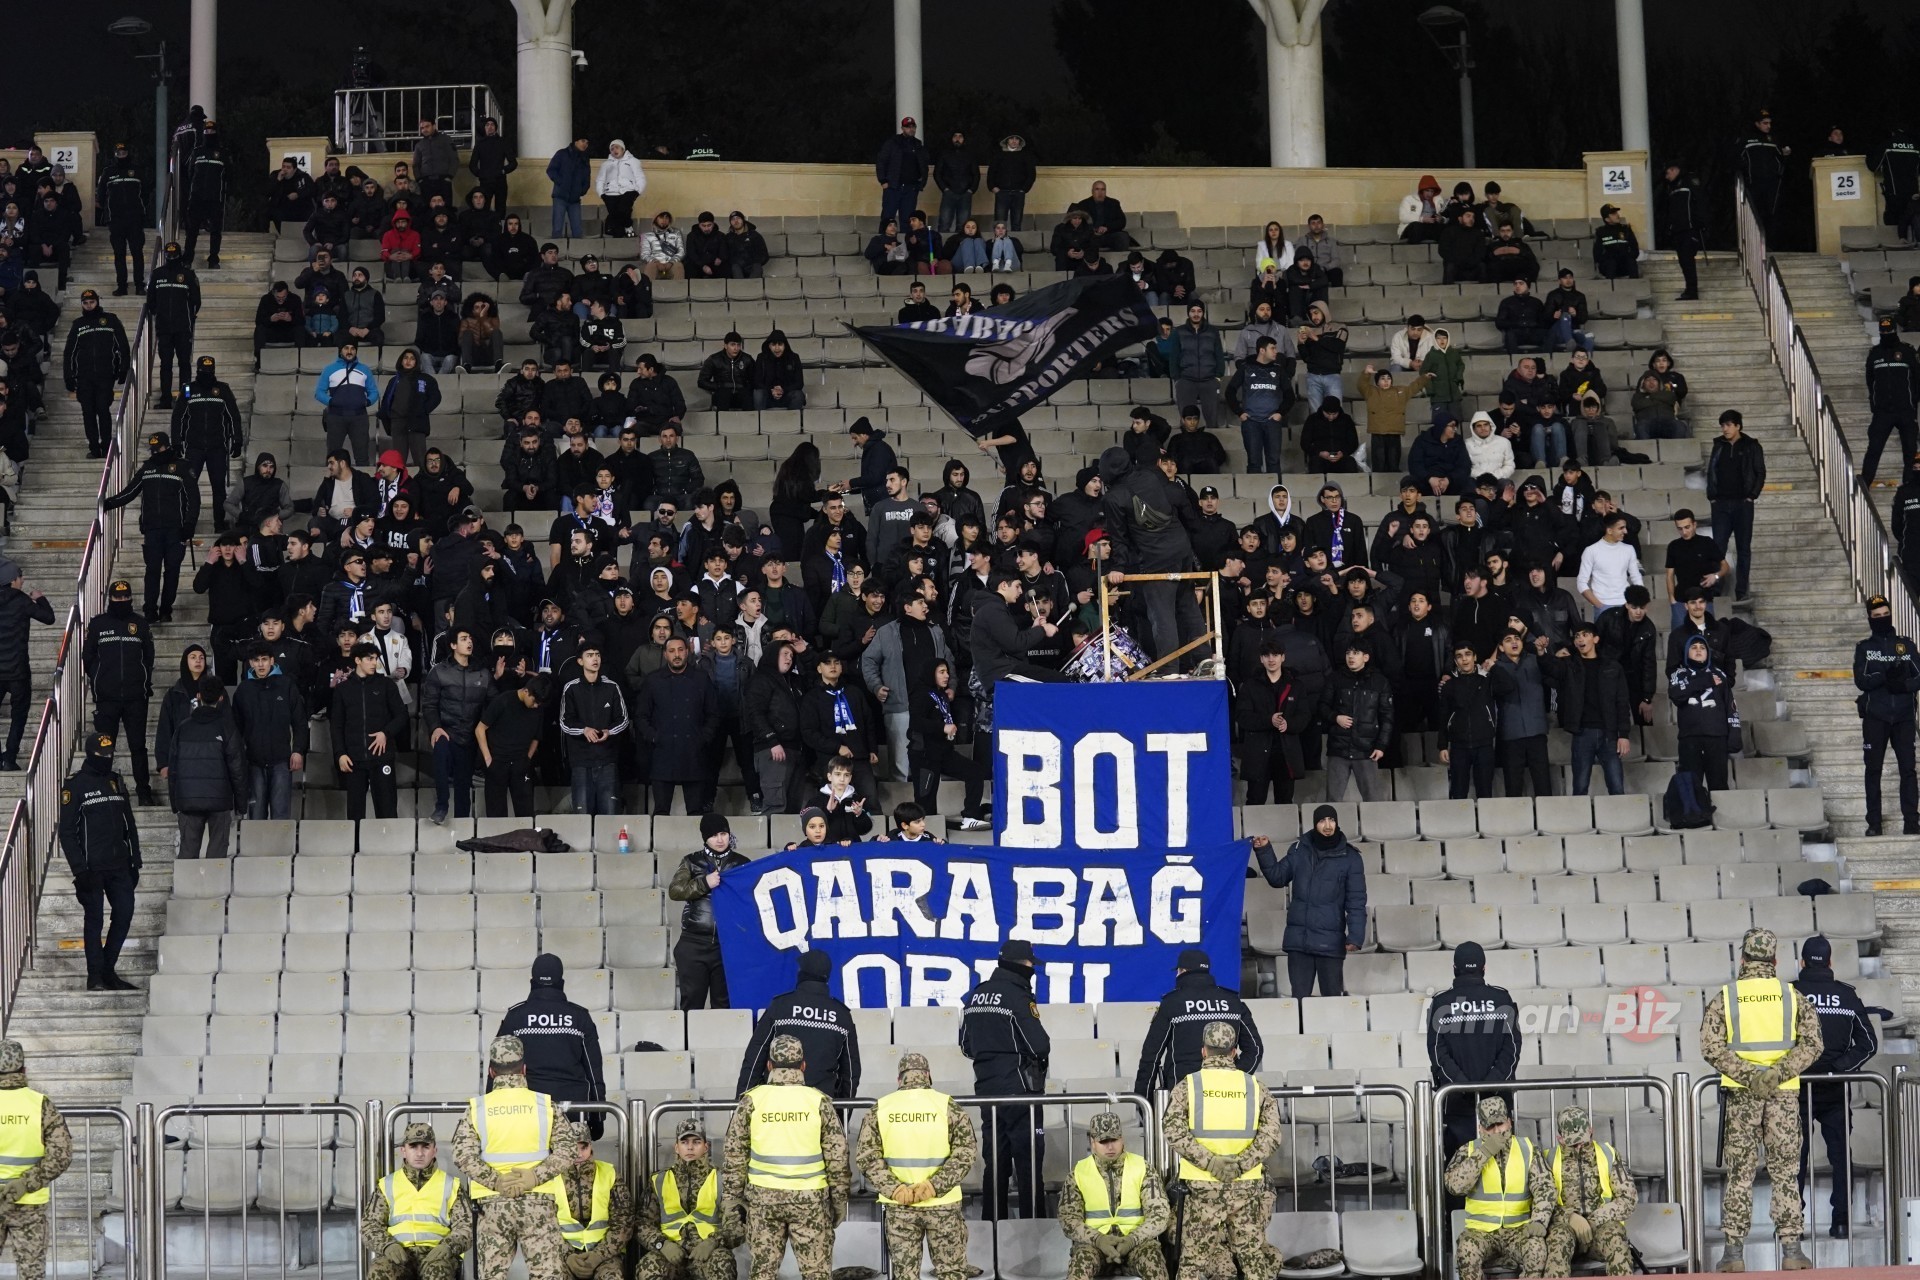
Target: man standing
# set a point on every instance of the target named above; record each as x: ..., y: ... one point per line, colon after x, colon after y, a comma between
x: 347, y: 391
x: 207, y: 194
x: 1001, y: 1033
x: 562, y: 1043
x: 678, y: 713
x: 1114, y: 1209
x: 1593, y: 708
x: 571, y: 176
x: 124, y: 198
x: 1686, y: 226
x: 1197, y: 361
x: 1509, y: 1196
x: 507, y: 1143
x: 1147, y: 515
x: 1692, y: 561
x: 785, y: 1166
x: 435, y: 161
x: 696, y: 956
x: 1887, y: 673
x: 595, y: 1210
x: 1893, y: 388
x: 174, y: 297
x: 207, y: 424
x: 898, y: 668
x: 490, y: 162
x: 915, y: 1147
x: 1593, y: 1197
x: 1223, y: 1124
x: 1173, y: 1050
x: 1760, y: 162
x: 1473, y: 1037
x: 95, y: 362
x: 452, y: 698
x: 35, y: 1149
x: 118, y: 662
x: 101, y: 843
x: 682, y: 1233
x: 593, y: 715
x: 417, y: 1222
x: 368, y: 717
x: 1847, y: 1041
x: 1761, y: 1033
x: 169, y: 510
x: 206, y: 773
x: 901, y: 169
x: 823, y: 1026
x: 270, y: 713
x: 18, y: 608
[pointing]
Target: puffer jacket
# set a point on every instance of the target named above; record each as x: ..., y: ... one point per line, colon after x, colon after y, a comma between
x: 1702, y: 696
x: 271, y: 717
x: 207, y: 767
x: 452, y: 698
x: 772, y: 706
x: 1368, y: 699
x: 1327, y: 910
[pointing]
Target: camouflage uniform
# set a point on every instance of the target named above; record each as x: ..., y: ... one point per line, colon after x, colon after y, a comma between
x: 1519, y: 1246
x: 24, y: 1226
x: 525, y: 1222
x: 1749, y: 1118
x: 1142, y: 1245
x: 1224, y: 1222
x: 442, y: 1261
x: 655, y: 1263
x: 774, y: 1218
x: 1579, y: 1195
x: 942, y: 1227
x: 603, y: 1260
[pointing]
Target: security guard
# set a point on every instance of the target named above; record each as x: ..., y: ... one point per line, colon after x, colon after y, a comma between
x: 595, y: 1210
x: 1001, y: 1032
x: 96, y: 362
x: 207, y: 424
x: 124, y: 198
x: 1686, y: 212
x: 1223, y: 1124
x: 1172, y: 1050
x: 207, y: 194
x: 1113, y: 1210
x: 35, y: 1149
x: 682, y: 1232
x: 1761, y: 1034
x: 1893, y: 389
x: 1887, y: 673
x: 785, y: 1165
x: 117, y: 660
x: 102, y: 847
x: 915, y: 1147
x: 169, y: 510
x: 823, y: 1026
x: 508, y: 1143
x: 1593, y: 1197
x: 1847, y: 1040
x: 1473, y: 1037
x: 1761, y: 162
x: 417, y: 1222
x: 174, y: 299
x: 1899, y: 179
x: 1509, y: 1197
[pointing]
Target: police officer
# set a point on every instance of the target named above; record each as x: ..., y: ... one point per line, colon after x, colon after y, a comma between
x: 1893, y: 388
x: 174, y: 299
x: 1847, y: 1040
x: 207, y: 194
x: 915, y: 1147
x: 1001, y: 1031
x: 97, y: 360
x: 207, y: 424
x: 1906, y: 522
x: 562, y: 1042
x: 118, y: 661
x: 1172, y: 1049
x: 1473, y: 1037
x: 102, y: 846
x: 1223, y: 1124
x: 169, y: 510
x: 1761, y: 161
x: 124, y: 198
x: 507, y: 1143
x: 823, y: 1026
x: 1899, y: 179
x: 417, y: 1222
x: 785, y: 1162
x: 35, y: 1148
x: 1686, y: 220
x: 1887, y: 674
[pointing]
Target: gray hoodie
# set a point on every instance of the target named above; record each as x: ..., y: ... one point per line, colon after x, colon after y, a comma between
x: 1254, y: 330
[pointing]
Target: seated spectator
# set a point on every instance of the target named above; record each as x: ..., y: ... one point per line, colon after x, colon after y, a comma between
x: 1547, y: 437
x: 1328, y: 253
x: 1522, y: 318
x: 367, y: 211
x: 521, y: 395
x: 323, y: 319
x: 1594, y: 438
x: 654, y: 400
x: 1488, y: 452
x: 440, y: 243
x: 438, y: 336
x: 778, y: 380
x: 1004, y: 252
x: 1268, y: 290
x: 1616, y: 250
x: 590, y: 283
x: 887, y: 251
x: 1906, y: 316
x: 400, y: 249
x: 610, y: 412
x: 1439, y: 461
x: 727, y: 374
x: 619, y: 182
x: 746, y: 249
x: 478, y: 226
x: 966, y: 250
x: 363, y: 311
x: 1495, y: 213
x: 1421, y: 214
x: 1407, y: 349
x: 1567, y: 314
x: 481, y: 340
x: 602, y: 338
x: 527, y: 474
x: 1304, y: 284
x: 1654, y: 411
x: 1581, y: 378
x: 556, y: 331
x: 923, y: 247
x: 1195, y: 450
x: 1274, y: 247
x: 289, y: 196
x: 661, y: 249
x: 512, y: 253
x: 437, y: 283
x: 1661, y: 363
x: 1508, y: 257
x: 279, y: 321
x: 1463, y: 247
x: 1071, y: 240
x: 545, y: 281
x: 917, y: 310
x: 1176, y: 278
x: 1106, y: 219
x: 632, y: 294
x: 706, y: 250
x: 1329, y: 439
x: 330, y: 225
x: 677, y: 474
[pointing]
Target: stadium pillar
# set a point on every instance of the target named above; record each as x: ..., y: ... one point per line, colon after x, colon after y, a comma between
x: 906, y: 65
x: 1630, y: 33
x: 203, y: 56
x: 1296, y: 83
x: 546, y: 75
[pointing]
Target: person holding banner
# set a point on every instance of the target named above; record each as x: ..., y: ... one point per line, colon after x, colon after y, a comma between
x: 1001, y: 1032
x: 1223, y: 1124
x: 915, y: 1146
x: 785, y: 1167
x: 1001, y: 642
x: 1113, y: 1209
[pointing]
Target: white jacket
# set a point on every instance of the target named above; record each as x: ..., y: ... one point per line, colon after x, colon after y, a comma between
x: 1492, y: 456
x: 1410, y: 210
x: 621, y: 175
x: 396, y: 656
x: 1397, y: 352
x: 1260, y: 251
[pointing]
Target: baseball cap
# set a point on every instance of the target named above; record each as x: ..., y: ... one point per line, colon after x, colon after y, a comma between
x: 1016, y: 951
x: 908, y: 122
x: 548, y: 971
x: 1194, y: 958
x: 1209, y: 492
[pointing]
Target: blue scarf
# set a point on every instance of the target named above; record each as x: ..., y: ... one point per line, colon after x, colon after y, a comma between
x: 842, y: 711
x: 839, y: 570
x: 946, y: 713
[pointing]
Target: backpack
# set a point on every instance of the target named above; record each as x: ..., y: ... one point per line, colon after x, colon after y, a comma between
x: 1686, y: 805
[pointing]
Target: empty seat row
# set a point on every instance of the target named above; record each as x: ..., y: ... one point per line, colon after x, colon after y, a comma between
x: 1614, y: 965
x: 423, y: 991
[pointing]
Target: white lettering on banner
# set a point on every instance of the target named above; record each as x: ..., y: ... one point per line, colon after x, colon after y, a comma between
x: 885, y: 966
x: 1110, y: 910
x: 1177, y: 747
x: 1176, y: 914
x: 1031, y: 905
x: 1039, y: 784
x: 1126, y: 802
x: 936, y: 980
x: 970, y: 898
x: 785, y: 880
x: 894, y: 899
x: 836, y: 903
x: 1033, y: 763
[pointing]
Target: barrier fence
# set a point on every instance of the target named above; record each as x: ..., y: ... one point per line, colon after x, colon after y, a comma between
x: 389, y: 119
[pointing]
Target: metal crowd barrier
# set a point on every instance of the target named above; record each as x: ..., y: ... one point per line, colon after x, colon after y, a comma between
x: 74, y: 1198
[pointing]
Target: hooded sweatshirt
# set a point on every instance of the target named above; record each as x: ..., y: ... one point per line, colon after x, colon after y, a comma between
x: 1488, y: 453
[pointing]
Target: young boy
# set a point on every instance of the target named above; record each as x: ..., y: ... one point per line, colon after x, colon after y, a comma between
x: 910, y: 824
x: 1387, y: 415
x: 845, y: 805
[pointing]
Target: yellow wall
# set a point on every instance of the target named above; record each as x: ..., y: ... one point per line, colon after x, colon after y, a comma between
x: 1831, y: 215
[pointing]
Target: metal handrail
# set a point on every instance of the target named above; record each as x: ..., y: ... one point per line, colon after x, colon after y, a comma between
x: 84, y: 1118
x: 386, y: 119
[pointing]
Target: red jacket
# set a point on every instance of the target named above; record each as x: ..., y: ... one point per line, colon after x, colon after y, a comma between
x: 400, y: 240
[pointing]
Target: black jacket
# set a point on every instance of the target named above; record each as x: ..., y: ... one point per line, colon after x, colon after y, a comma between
x: 596, y: 704
x: 1469, y: 713
x: 207, y: 767
x: 363, y: 706
x: 1702, y: 706
x: 1001, y: 1033
x: 174, y: 296
x: 1887, y: 673
x: 1893, y: 378
x: 1171, y: 1051
x: 118, y: 655
x: 823, y: 1026
x: 1368, y: 700
x: 206, y: 421
x: 1327, y: 910
x: 1846, y: 1029
x: 696, y: 916
x: 957, y: 170
x: 1634, y: 646
x: 902, y: 162
x: 96, y: 350
x: 97, y: 830
x: 562, y: 1043
x: 1011, y: 170
x: 271, y: 715
x: 17, y: 610
x: 452, y: 697
x: 1577, y: 679
x: 1473, y: 1037
x: 1736, y: 469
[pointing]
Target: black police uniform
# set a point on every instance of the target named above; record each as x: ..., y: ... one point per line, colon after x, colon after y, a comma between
x: 1906, y: 524
x: 1846, y: 1030
x: 96, y: 361
x: 124, y: 197
x: 1887, y: 673
x: 207, y: 424
x: 1686, y: 228
x: 1172, y: 1049
x: 1473, y: 1037
x: 207, y: 197
x: 1893, y: 389
x: 1899, y: 179
x: 174, y: 302
x: 1001, y: 1031
x: 169, y: 510
x: 1761, y: 163
x: 118, y: 661
x: 562, y: 1042
x: 102, y: 846
x: 823, y: 1026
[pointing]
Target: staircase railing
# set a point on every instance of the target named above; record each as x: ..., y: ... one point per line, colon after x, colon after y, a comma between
x: 1869, y: 545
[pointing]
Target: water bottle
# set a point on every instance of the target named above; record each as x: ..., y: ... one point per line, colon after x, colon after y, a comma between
x: 626, y: 845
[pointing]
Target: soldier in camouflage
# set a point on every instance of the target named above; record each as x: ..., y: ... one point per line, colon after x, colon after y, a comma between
x: 596, y: 1244
x: 428, y: 1251
x: 1106, y: 1243
x: 788, y: 1140
x: 1760, y: 1051
x: 37, y: 1149
x: 1524, y: 1247
x: 512, y: 1217
x: 900, y: 1150
x: 686, y: 1248
x: 1594, y: 1196
x: 1224, y: 1220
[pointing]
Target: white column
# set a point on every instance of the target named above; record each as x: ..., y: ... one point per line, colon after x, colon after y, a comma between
x: 203, y: 56
x: 906, y: 65
x: 1630, y: 33
x: 1296, y: 83
x: 546, y: 76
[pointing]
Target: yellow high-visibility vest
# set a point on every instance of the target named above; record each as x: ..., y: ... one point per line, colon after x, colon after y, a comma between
x: 914, y: 1138
x: 515, y: 1127
x: 783, y: 1140
x: 21, y: 1146
x: 1762, y: 1020
x: 1603, y: 1158
x: 419, y: 1217
x: 582, y: 1235
x: 676, y: 1216
x: 1102, y: 1214
x: 1502, y: 1199
x: 1223, y: 1107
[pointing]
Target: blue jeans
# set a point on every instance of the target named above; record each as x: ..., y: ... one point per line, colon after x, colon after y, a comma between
x: 1734, y: 520
x: 270, y: 793
x: 1008, y: 207
x: 566, y: 218
x: 955, y: 208
x: 1322, y: 385
x: 1262, y: 436
x: 897, y: 203
x: 1591, y: 747
x: 1562, y: 334
x: 595, y: 788
x: 453, y: 771
x: 1541, y: 435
